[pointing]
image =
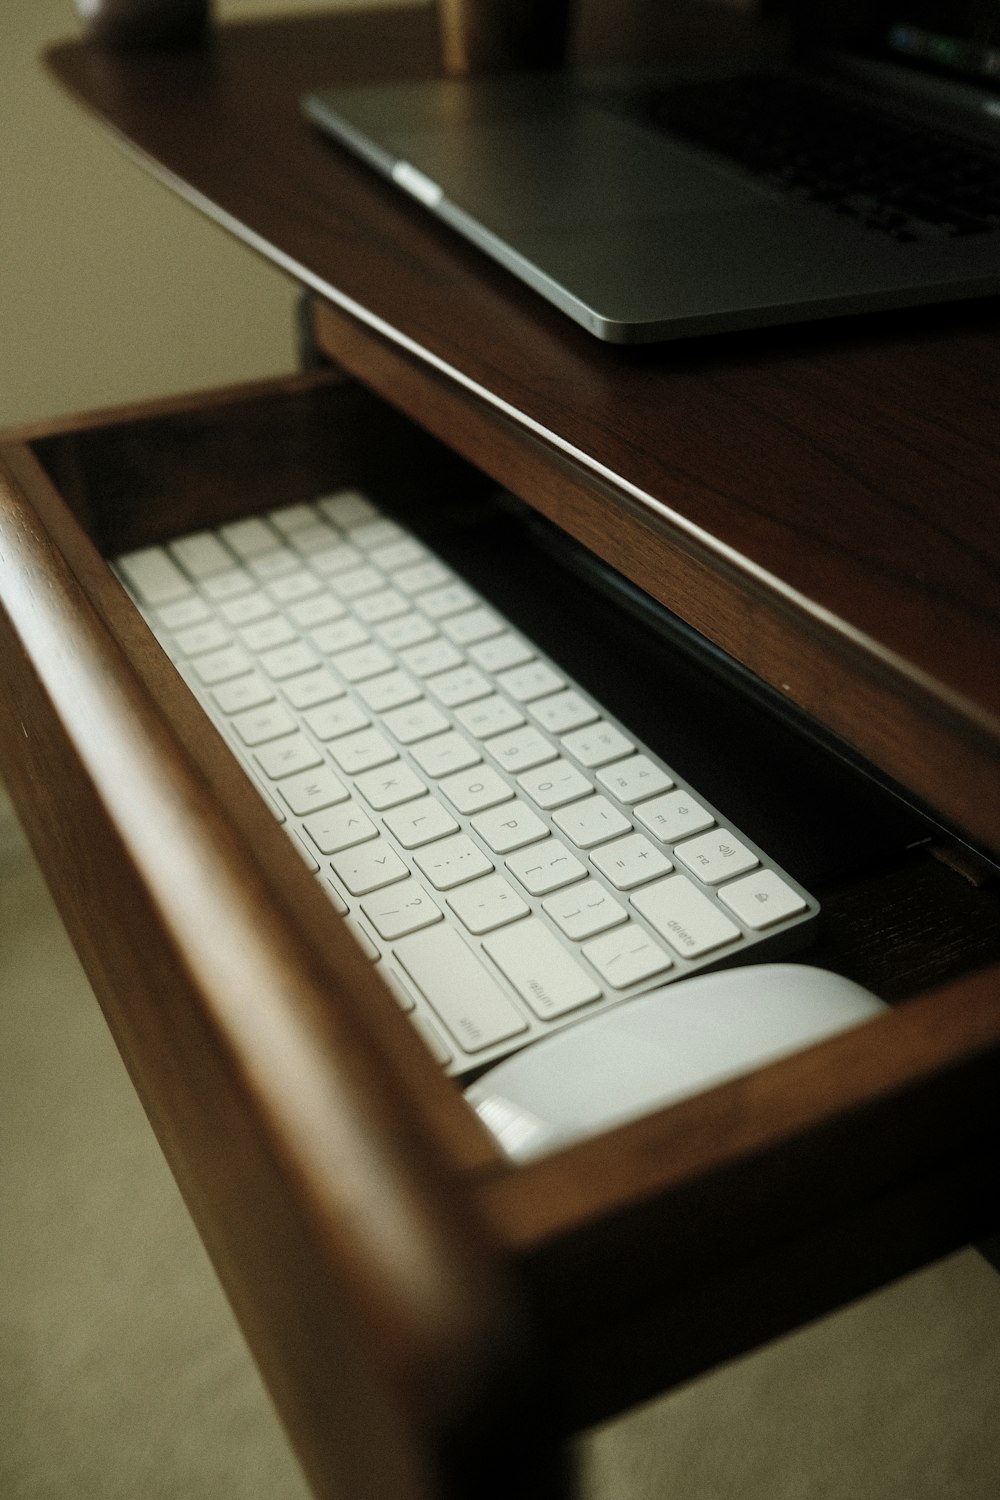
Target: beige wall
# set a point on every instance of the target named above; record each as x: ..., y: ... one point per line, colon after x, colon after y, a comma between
x: 111, y: 289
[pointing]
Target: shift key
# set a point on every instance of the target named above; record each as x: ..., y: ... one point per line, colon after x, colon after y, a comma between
x: 461, y: 991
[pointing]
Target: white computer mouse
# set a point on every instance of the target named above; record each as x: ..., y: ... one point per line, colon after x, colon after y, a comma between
x: 660, y: 1047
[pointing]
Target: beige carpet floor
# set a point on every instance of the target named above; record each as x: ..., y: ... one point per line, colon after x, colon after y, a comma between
x: 123, y: 1375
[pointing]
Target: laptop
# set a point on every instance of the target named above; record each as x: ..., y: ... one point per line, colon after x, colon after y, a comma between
x: 860, y: 175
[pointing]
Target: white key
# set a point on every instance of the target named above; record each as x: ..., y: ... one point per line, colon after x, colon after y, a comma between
x: 310, y: 791
x: 584, y: 910
x: 425, y: 575
x: 290, y: 518
x: 209, y: 635
x: 383, y: 604
x: 431, y: 657
x: 292, y: 587
x: 405, y: 631
x: 363, y: 751
x: 369, y: 867
x: 249, y: 538
x: 450, y: 599
x: 521, y: 749
x: 591, y: 822
x: 459, y: 988
x: 339, y: 635
x: 339, y: 827
x: 357, y: 581
x: 274, y: 564
x: 462, y: 685
x: 420, y: 822
x: 338, y: 558
x: 258, y: 725
x: 309, y: 689
x: 286, y: 756
x: 377, y: 532
x: 445, y: 753
x: 716, y: 856
x: 266, y: 634
x: 224, y: 586
x: 483, y: 905
x: 347, y: 507
x: 329, y: 721
x: 563, y: 711
x: 554, y: 784
x: 153, y: 576
x: 388, y: 786
x: 540, y: 969
x: 390, y: 690
x: 289, y: 661
x: 241, y: 693
x: 633, y: 779
x: 501, y: 653
x: 597, y: 744
x: 536, y: 679
x: 510, y: 826
x: 417, y: 721
x: 218, y: 666
x: 630, y: 861
x: 474, y: 790
x: 761, y: 899
x: 184, y: 612
x: 309, y: 540
x: 402, y: 553
x: 246, y: 608
x: 201, y: 554
x: 400, y: 908
x: 451, y: 861
x: 626, y: 955
x: 544, y: 867
x: 319, y: 609
x: 688, y: 919
x: 489, y: 716
x: 472, y: 626
x: 363, y: 661
x: 674, y: 816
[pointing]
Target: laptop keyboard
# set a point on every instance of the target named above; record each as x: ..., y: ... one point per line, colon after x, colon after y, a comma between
x: 889, y: 177
x: 506, y: 850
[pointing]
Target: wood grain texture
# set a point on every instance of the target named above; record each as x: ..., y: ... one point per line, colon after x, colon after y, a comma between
x: 835, y: 485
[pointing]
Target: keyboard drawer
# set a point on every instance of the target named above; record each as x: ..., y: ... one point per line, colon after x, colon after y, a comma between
x: 305, y: 1123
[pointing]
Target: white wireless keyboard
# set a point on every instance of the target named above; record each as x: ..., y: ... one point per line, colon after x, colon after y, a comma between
x: 506, y: 850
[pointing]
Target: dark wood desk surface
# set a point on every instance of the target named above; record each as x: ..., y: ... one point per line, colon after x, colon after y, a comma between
x: 821, y: 501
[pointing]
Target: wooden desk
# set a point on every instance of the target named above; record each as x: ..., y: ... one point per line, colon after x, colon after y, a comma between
x: 820, y: 502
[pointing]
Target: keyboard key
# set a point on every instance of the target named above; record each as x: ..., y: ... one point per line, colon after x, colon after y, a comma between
x: 462, y: 685
x: 534, y: 680
x: 268, y: 722
x: 201, y: 554
x: 223, y: 586
x: 362, y: 751
x: 634, y: 779
x: 420, y: 822
x: 292, y: 587
x: 310, y: 791
x: 467, y: 999
x: 309, y: 689
x: 545, y: 867
x: 426, y: 575
x: 184, y: 612
x: 246, y: 608
x: 501, y: 653
x: 489, y: 716
x: 445, y: 753
x: 355, y: 582
x: 400, y: 908
x: 626, y: 955
x: 274, y: 564
x: 563, y: 711
x: 266, y: 634
x: 286, y: 756
x: 716, y: 856
x: 674, y: 816
x: 761, y: 899
x: 339, y: 827
x: 243, y: 692
x: 291, y: 518
x: 153, y: 576
x: 451, y: 861
x: 369, y: 867
x: 684, y: 916
x: 389, y: 785
x: 384, y: 604
x: 584, y: 909
x: 331, y: 720
x: 597, y: 745
x: 219, y: 666
x: 509, y: 826
x: 554, y: 784
x: 475, y: 790
x: 485, y: 904
x: 417, y: 721
x: 388, y: 691
x: 521, y: 749
x: 590, y: 822
x: 431, y: 657
x: 472, y: 626
x: 339, y: 635
x: 630, y: 861
x: 364, y: 661
x: 447, y: 600
x: 347, y: 508
x: 288, y: 661
x: 209, y: 635
x: 320, y: 609
x: 540, y: 969
x: 249, y: 538
x: 404, y: 631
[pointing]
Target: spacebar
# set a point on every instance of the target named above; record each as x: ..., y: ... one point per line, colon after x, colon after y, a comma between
x: 461, y: 991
